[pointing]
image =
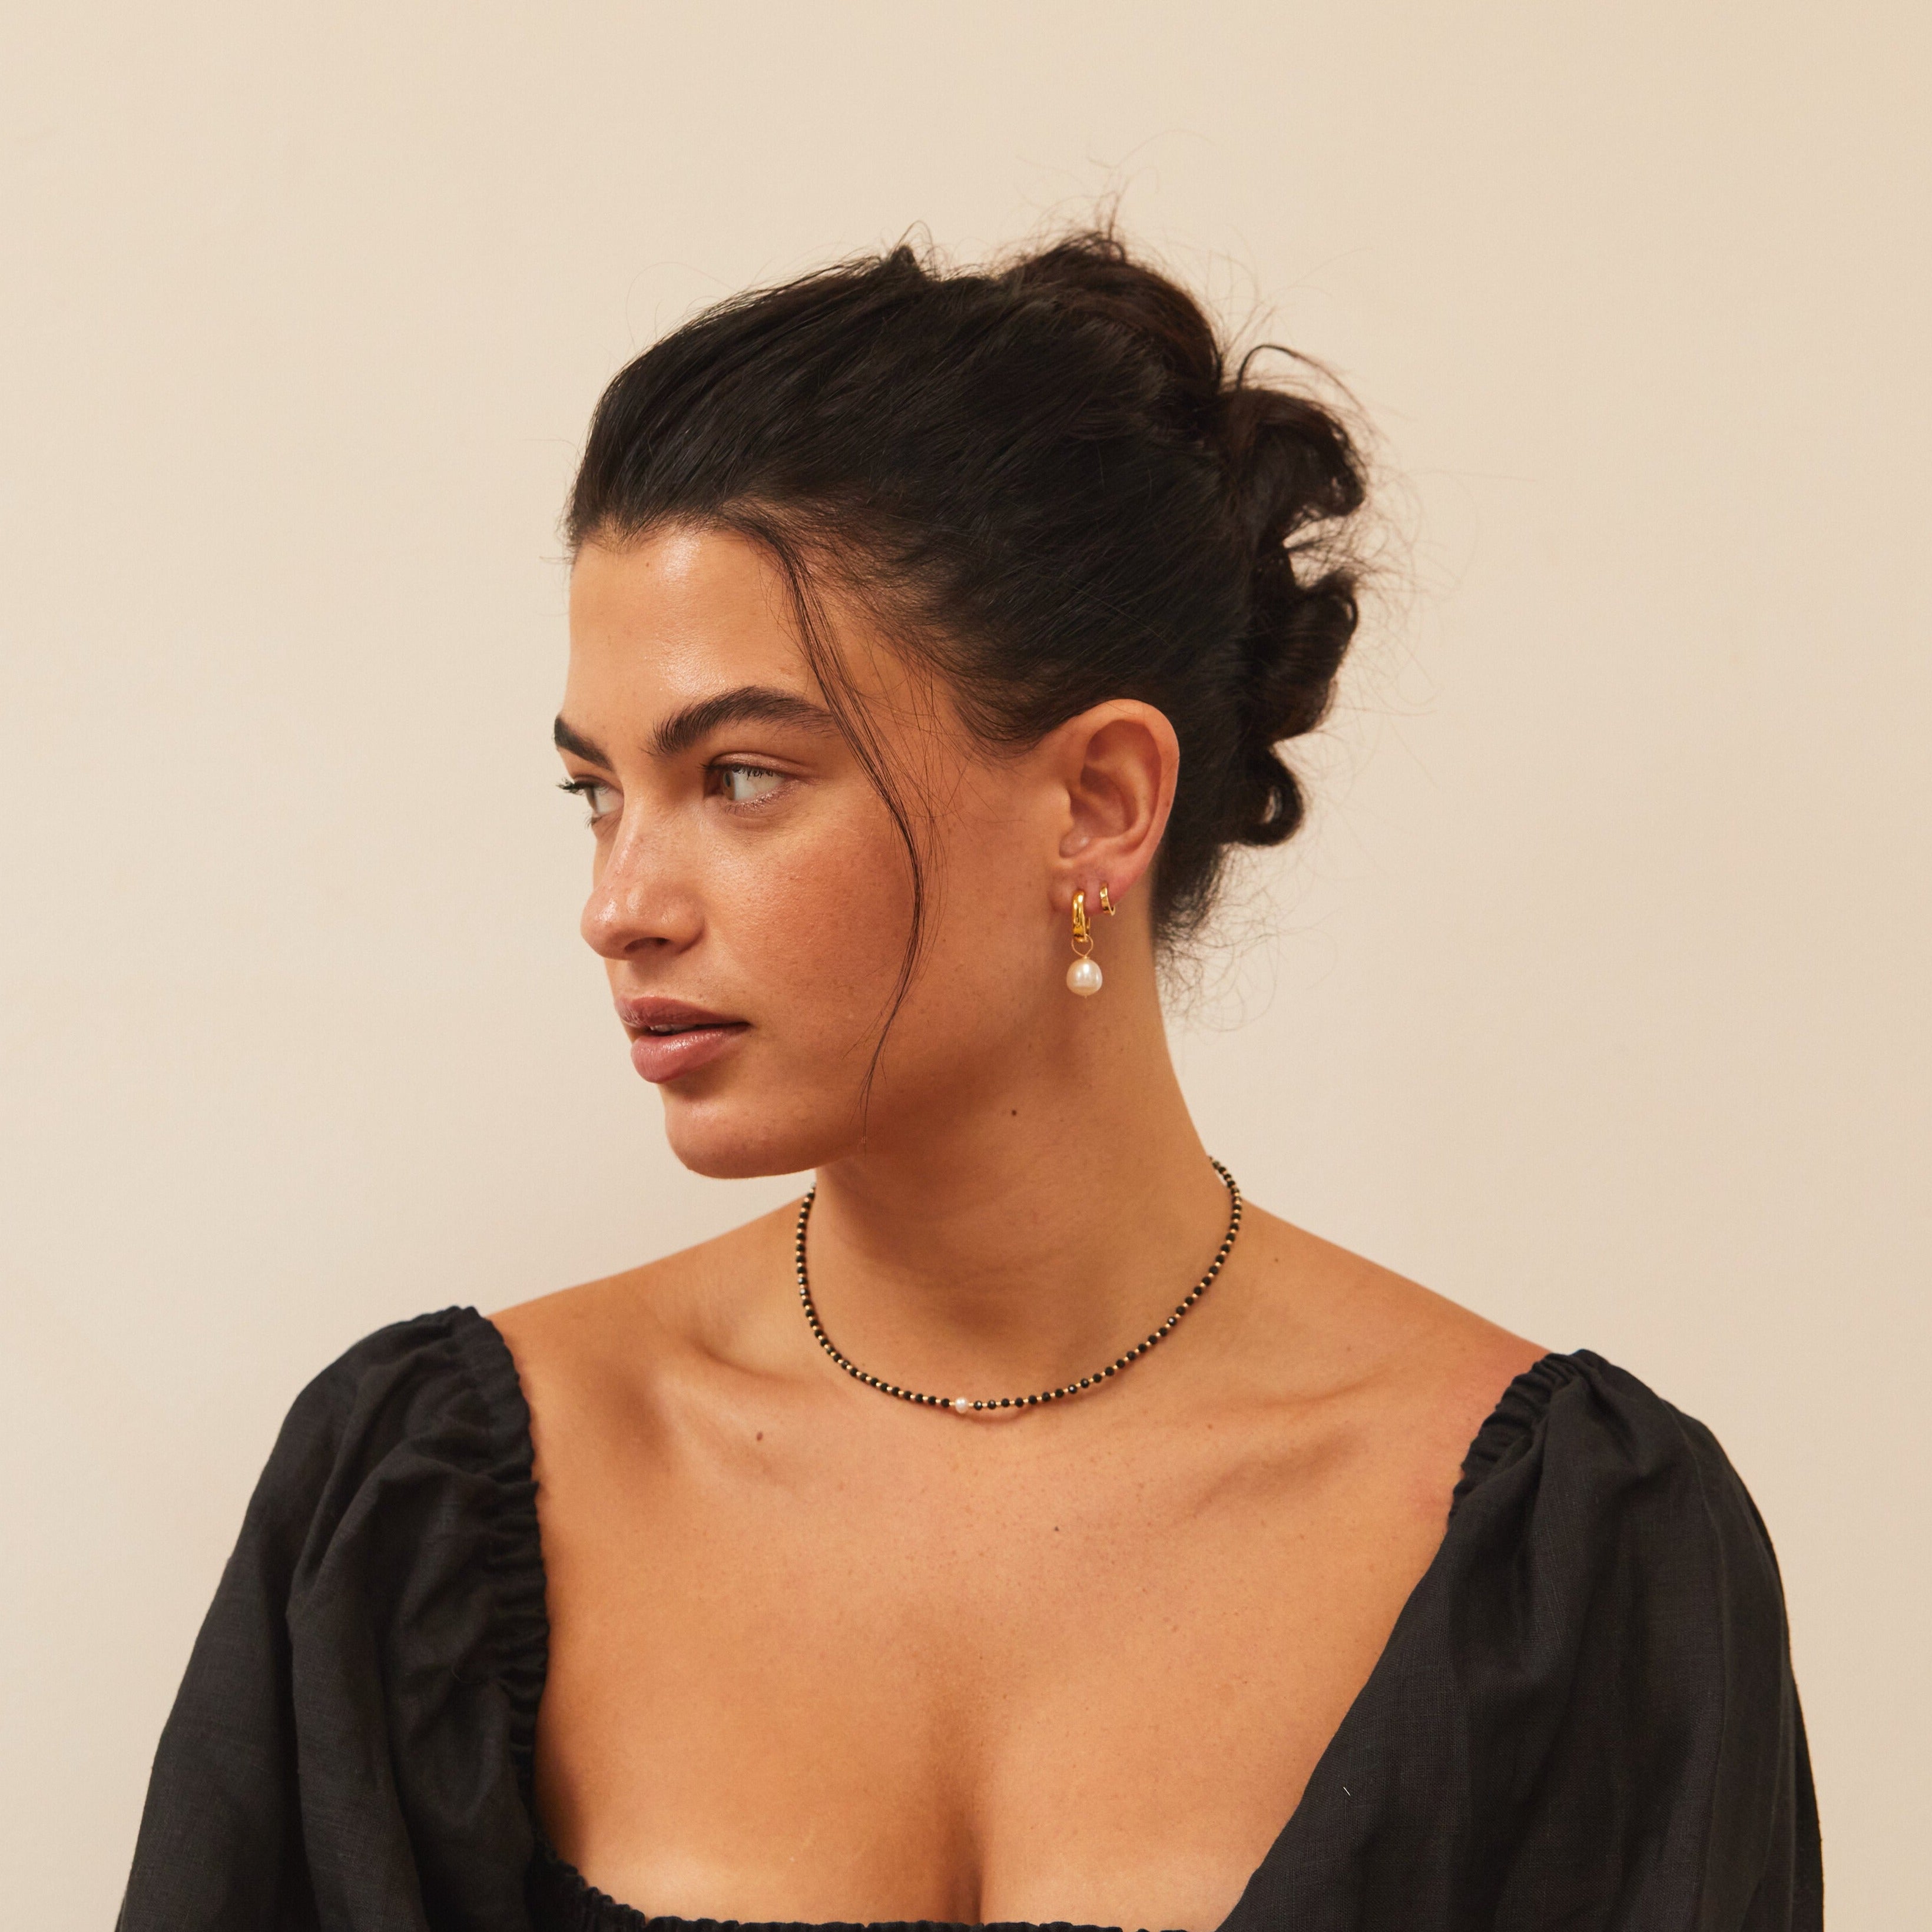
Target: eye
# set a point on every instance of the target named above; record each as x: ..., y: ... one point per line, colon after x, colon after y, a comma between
x: 745, y: 784
x: 599, y: 797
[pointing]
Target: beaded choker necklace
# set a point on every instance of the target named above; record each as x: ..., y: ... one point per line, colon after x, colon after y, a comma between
x: 967, y: 1405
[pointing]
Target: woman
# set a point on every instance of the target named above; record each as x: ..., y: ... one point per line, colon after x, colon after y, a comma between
x: 932, y: 638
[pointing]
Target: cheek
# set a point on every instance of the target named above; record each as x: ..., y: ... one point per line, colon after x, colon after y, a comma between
x: 821, y: 930
x: 988, y: 965
x: 992, y: 950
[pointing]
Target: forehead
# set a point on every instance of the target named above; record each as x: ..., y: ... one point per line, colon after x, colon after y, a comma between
x: 676, y: 615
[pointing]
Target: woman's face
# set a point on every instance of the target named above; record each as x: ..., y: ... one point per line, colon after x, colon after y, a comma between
x: 751, y: 895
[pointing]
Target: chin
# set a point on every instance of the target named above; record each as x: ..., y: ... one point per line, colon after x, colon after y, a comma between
x: 737, y: 1139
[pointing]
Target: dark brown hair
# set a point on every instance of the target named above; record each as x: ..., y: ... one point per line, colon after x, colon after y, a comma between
x: 1047, y: 481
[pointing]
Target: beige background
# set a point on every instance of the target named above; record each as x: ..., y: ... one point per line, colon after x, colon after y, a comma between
x: 1596, y: 999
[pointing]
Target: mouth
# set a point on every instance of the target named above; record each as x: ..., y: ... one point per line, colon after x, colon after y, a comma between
x: 670, y: 1038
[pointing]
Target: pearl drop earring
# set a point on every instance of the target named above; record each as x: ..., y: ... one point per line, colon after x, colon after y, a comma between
x: 1083, y: 977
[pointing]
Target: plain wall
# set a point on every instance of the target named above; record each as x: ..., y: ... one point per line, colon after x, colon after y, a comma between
x: 1596, y: 996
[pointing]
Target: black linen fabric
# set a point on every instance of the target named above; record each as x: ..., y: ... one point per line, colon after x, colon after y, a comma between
x: 351, y: 1746
x: 1585, y: 1718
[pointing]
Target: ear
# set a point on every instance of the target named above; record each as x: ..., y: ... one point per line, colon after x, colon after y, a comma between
x: 1117, y: 765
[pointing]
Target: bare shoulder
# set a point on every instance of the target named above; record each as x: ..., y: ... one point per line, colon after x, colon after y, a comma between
x: 1347, y: 1333
x: 695, y: 1303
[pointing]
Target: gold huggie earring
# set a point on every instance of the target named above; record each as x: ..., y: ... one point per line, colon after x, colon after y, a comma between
x: 1083, y: 977
x: 1106, y: 904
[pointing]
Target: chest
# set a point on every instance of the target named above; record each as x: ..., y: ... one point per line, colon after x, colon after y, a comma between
x: 958, y: 1674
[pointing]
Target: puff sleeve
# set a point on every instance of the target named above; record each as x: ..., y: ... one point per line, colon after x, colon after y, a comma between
x: 351, y: 1745
x: 1585, y: 1717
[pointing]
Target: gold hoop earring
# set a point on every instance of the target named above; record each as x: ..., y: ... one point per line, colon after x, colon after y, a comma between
x: 1083, y: 977
x: 1106, y: 904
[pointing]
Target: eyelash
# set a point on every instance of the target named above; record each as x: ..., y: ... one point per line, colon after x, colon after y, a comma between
x: 724, y: 771
x: 584, y: 788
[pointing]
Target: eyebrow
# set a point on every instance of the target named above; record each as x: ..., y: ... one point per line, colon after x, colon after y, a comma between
x: 748, y: 703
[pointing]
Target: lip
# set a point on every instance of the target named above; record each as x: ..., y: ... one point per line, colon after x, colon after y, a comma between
x: 670, y: 1038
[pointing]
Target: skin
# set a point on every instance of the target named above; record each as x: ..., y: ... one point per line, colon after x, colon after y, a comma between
x: 818, y: 1655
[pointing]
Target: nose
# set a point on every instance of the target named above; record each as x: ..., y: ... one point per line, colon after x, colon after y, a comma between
x: 639, y: 905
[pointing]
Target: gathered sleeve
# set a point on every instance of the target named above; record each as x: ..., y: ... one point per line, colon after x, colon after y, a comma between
x: 1585, y: 1717
x: 1622, y: 1625
x: 351, y: 1746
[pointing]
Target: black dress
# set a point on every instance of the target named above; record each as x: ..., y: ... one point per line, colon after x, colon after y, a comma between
x: 1584, y: 1718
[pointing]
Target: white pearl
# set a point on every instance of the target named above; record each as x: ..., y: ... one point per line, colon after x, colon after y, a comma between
x: 962, y: 1403
x: 1083, y: 977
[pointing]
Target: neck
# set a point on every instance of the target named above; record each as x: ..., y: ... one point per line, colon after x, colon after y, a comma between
x: 1045, y: 1217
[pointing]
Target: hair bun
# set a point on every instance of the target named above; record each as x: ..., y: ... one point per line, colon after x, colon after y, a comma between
x: 1292, y: 466
x: 1093, y: 274
x: 1289, y: 464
